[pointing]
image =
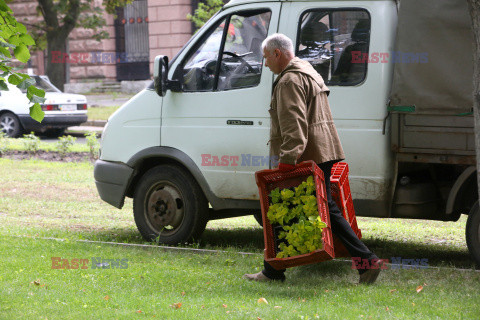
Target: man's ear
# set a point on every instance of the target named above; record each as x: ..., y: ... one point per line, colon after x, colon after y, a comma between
x: 278, y: 53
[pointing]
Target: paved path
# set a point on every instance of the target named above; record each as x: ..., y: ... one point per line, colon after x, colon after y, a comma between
x: 99, y: 100
x: 107, y: 100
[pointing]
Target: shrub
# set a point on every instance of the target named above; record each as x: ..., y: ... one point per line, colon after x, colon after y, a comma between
x: 31, y: 142
x: 4, y: 142
x: 204, y: 12
x: 63, y: 144
x: 93, y: 144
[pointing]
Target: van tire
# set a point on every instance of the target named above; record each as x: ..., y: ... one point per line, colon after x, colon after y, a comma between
x: 169, y: 207
x: 473, y: 233
x: 10, y: 124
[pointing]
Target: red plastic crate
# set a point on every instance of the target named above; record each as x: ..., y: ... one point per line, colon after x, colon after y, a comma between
x: 267, y: 180
x: 340, y: 188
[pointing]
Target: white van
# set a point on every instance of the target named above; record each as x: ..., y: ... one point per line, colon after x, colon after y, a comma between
x: 62, y: 110
x: 197, y: 135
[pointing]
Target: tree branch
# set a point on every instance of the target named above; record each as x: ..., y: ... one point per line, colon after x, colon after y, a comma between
x: 35, y: 26
x: 49, y: 14
x: 70, y: 20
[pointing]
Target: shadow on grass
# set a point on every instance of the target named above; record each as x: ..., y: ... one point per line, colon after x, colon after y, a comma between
x: 251, y: 240
x: 242, y: 239
x: 437, y: 254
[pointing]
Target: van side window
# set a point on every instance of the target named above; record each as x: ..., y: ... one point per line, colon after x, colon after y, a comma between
x: 198, y: 71
x: 336, y: 43
x: 238, y: 37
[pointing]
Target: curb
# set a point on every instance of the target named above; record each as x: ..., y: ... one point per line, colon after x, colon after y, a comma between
x: 89, y: 126
x: 82, y: 130
x: 94, y: 123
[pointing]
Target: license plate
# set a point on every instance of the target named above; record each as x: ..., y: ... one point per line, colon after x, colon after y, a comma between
x: 68, y: 107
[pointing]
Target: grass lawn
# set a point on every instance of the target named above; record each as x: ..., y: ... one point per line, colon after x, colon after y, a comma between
x: 19, y: 144
x: 45, y: 199
x: 101, y: 113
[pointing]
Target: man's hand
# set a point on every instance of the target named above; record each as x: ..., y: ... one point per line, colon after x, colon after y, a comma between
x: 284, y: 167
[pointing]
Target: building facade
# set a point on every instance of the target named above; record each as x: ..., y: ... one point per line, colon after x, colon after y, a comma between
x: 139, y: 32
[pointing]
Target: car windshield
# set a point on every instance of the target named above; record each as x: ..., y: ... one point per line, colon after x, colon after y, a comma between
x: 43, y: 84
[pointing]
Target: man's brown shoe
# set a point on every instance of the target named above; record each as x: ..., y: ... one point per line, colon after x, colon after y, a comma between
x: 369, y: 276
x: 256, y: 277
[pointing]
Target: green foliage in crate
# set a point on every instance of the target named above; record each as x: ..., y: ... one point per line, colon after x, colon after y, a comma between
x: 298, y: 206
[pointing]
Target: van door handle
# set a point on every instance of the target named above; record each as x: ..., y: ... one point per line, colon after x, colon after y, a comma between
x: 240, y: 123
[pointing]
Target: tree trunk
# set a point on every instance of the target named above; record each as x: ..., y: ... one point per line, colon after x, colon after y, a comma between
x: 56, y: 61
x: 474, y: 6
x: 57, y: 35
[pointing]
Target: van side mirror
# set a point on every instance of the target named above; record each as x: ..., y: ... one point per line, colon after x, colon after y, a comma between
x: 160, y: 73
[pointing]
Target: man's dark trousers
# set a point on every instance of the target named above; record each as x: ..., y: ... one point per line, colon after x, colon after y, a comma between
x: 340, y: 227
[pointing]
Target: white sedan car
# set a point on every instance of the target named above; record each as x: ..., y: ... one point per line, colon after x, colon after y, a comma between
x: 62, y: 110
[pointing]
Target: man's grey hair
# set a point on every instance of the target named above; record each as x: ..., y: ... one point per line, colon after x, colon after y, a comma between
x: 278, y: 41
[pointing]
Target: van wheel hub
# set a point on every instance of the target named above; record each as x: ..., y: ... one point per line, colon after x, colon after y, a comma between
x: 162, y: 208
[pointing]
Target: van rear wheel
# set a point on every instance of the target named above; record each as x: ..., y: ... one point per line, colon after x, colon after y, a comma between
x: 169, y: 206
x: 473, y: 233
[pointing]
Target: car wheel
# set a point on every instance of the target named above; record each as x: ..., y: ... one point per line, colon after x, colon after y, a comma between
x: 10, y: 125
x: 169, y: 206
x: 473, y: 233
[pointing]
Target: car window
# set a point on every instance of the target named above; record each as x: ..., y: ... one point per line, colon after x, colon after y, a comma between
x: 43, y: 84
x: 336, y: 43
x: 238, y: 37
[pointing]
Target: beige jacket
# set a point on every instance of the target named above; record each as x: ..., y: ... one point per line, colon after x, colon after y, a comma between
x: 302, y: 127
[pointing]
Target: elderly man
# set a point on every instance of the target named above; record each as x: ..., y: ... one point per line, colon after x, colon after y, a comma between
x: 302, y: 128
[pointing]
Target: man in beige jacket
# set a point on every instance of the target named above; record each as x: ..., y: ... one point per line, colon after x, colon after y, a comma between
x: 302, y: 129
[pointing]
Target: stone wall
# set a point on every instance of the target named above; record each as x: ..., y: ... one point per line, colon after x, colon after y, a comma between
x: 169, y: 28
x: 25, y: 11
x: 81, y: 42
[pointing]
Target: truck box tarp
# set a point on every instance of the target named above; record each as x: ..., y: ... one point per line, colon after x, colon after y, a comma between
x: 433, y: 57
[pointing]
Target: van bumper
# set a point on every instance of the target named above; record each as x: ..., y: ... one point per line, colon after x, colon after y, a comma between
x: 112, y: 179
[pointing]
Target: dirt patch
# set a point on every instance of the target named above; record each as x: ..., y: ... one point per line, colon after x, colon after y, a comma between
x: 48, y: 156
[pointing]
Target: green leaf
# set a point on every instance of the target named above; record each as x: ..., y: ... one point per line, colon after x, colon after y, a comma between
x: 3, y: 43
x: 34, y: 90
x: 21, y: 53
x: 36, y: 112
x: 14, y: 79
x: 5, y: 52
x: 21, y: 28
x: 14, y: 40
x: 25, y: 84
x: 3, y: 6
x: 37, y: 99
x: 3, y: 86
x: 23, y: 76
x: 6, y: 33
x: 27, y: 39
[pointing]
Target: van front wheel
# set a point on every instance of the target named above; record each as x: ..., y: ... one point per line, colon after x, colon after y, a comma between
x: 473, y: 233
x: 169, y: 207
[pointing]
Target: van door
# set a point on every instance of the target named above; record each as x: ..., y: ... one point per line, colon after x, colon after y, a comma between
x: 220, y: 119
x: 348, y: 43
